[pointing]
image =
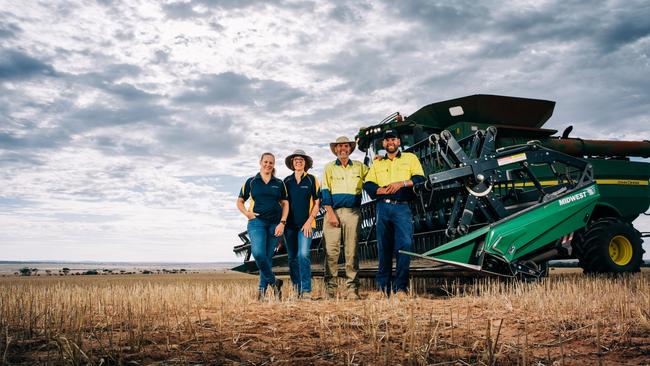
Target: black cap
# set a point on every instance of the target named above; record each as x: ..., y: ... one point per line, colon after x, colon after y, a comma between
x: 390, y: 133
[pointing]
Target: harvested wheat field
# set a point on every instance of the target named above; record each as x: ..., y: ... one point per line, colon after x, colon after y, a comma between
x: 565, y: 319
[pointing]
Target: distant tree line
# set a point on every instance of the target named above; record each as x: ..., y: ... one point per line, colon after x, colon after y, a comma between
x: 65, y: 271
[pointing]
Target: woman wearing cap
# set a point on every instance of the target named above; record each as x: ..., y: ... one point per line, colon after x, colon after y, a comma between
x: 267, y: 217
x: 303, y: 192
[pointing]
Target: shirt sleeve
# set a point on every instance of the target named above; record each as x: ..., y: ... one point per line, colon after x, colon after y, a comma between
x: 315, y: 193
x: 364, y: 171
x: 417, y: 173
x: 284, y: 194
x: 370, y: 184
x: 326, y: 194
x: 245, y: 191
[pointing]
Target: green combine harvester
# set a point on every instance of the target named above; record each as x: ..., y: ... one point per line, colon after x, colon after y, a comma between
x: 503, y: 195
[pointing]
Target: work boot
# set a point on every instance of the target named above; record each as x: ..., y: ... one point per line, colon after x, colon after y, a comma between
x: 306, y: 296
x: 277, y: 288
x: 261, y: 294
x: 353, y: 294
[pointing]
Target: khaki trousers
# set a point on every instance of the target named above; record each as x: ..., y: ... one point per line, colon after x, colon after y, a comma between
x: 348, y: 233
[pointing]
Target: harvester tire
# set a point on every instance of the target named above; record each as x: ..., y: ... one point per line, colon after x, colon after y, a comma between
x: 611, y: 246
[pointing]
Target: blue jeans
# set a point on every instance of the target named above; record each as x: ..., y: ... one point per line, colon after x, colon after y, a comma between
x: 298, y: 246
x: 394, y: 233
x: 263, y: 242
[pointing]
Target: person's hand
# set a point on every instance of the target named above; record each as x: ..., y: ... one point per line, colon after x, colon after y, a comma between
x: 250, y: 215
x: 332, y: 220
x: 306, y: 229
x: 279, y: 229
x: 394, y: 187
x: 382, y: 190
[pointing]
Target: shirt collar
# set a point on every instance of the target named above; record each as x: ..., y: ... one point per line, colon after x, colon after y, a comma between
x: 293, y: 175
x: 338, y: 162
x: 399, y: 155
x: 259, y: 176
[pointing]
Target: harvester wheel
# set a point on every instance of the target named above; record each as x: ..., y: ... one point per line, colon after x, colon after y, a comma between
x: 611, y: 246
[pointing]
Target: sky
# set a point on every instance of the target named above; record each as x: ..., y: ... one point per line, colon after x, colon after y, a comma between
x: 128, y: 127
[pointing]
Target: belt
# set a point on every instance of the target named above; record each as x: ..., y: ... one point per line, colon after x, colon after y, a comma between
x: 394, y: 202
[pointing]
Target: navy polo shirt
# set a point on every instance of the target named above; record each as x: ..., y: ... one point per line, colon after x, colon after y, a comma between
x: 265, y: 197
x: 301, y: 198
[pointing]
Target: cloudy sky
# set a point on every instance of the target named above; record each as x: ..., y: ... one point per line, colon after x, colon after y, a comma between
x: 127, y: 127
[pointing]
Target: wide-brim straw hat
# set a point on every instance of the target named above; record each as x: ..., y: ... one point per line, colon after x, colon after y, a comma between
x: 342, y: 140
x: 288, y: 161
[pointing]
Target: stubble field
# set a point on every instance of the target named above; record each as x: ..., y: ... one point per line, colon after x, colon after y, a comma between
x: 565, y: 319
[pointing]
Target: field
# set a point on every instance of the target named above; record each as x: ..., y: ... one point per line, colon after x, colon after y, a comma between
x: 566, y: 319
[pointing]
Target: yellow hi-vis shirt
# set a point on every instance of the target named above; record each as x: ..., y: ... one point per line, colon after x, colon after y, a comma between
x: 342, y: 186
x: 405, y: 166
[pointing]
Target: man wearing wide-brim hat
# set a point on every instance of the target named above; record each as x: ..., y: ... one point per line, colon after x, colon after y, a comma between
x: 341, y: 198
x: 303, y: 191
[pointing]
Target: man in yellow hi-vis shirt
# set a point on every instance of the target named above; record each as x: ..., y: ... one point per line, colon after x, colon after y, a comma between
x: 390, y: 181
x: 341, y: 198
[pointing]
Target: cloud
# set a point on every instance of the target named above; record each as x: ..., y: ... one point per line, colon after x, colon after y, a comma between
x: 443, y: 18
x: 626, y: 25
x: 231, y: 88
x: 182, y: 10
x: 21, y: 159
x: 9, y: 30
x: 17, y: 65
x: 362, y: 69
x: 33, y: 139
x: 214, y: 137
x: 346, y: 14
x: 151, y: 114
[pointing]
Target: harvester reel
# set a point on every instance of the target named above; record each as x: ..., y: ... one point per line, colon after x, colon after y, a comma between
x: 469, y: 186
x: 468, y: 171
x: 478, y: 190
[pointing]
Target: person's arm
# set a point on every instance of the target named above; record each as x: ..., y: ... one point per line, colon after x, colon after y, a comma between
x: 244, y: 193
x: 307, y: 227
x: 284, y: 202
x: 240, y: 205
x: 327, y: 201
x: 417, y: 176
x: 417, y: 173
x: 370, y: 184
x: 279, y: 229
x: 315, y: 196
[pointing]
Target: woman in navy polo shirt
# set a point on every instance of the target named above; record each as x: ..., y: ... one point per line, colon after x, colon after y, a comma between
x: 267, y: 216
x: 304, y: 204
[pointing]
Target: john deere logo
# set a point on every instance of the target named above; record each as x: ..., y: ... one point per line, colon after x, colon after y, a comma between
x: 578, y: 196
